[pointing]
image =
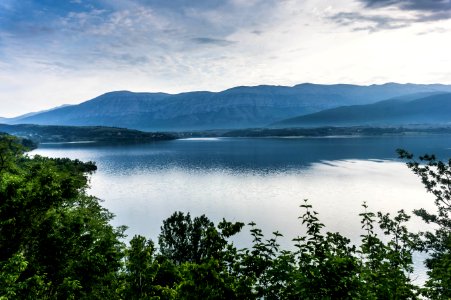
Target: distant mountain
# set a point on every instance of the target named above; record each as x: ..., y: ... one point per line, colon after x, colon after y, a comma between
x: 27, y: 115
x: 40, y: 112
x: 434, y: 109
x: 239, y: 107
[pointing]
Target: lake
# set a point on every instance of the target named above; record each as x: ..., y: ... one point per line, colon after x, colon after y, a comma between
x: 256, y: 179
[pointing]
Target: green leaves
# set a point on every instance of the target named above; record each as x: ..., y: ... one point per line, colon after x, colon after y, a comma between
x: 183, y: 239
x: 141, y: 270
x: 63, y: 236
x: 11, y: 149
x: 436, y: 177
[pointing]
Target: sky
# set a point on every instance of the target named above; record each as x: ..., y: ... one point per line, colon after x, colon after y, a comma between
x: 55, y: 52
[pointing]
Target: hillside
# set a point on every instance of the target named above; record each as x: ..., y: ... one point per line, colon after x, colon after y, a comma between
x: 239, y: 107
x: 16, y: 120
x: 434, y: 110
x: 58, y: 134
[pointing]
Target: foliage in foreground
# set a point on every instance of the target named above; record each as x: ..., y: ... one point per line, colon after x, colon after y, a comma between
x: 56, y: 242
x: 436, y: 177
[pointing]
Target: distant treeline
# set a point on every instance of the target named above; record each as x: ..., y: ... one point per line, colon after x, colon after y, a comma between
x: 55, y: 134
x: 317, y: 132
x: 57, y: 242
x: 59, y: 134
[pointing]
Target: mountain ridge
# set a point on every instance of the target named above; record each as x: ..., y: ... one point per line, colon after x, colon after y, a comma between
x: 237, y: 107
x: 432, y: 109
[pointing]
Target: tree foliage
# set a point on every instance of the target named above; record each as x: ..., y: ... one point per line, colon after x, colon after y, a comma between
x: 436, y: 177
x: 56, y: 237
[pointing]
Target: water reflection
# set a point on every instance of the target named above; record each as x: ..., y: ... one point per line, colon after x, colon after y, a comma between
x: 261, y: 155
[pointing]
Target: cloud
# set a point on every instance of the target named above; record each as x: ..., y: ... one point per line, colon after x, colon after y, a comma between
x: 425, y: 10
x: 212, y: 41
x: 107, y: 33
x: 370, y: 23
x: 438, y: 30
x: 380, y: 15
x: 181, y: 4
x: 374, y: 23
x: 436, y: 16
x: 416, y: 5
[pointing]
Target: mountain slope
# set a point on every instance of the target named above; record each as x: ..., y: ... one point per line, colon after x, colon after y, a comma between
x: 239, y: 107
x: 18, y: 118
x: 59, y: 134
x: 434, y: 109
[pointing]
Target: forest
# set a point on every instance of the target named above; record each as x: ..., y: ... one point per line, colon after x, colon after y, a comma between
x: 67, y: 134
x: 57, y: 242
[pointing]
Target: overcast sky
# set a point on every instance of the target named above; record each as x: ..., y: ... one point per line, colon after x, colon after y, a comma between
x: 54, y: 52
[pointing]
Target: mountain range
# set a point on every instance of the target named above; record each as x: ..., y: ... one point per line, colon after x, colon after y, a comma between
x: 405, y: 111
x: 239, y: 107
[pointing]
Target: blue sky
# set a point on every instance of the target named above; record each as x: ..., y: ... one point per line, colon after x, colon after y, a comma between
x: 54, y: 52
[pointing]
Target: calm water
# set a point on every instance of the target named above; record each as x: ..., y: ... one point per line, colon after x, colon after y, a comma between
x: 261, y: 180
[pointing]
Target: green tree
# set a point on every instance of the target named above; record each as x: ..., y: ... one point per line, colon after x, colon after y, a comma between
x: 202, y: 254
x: 11, y: 149
x: 327, y: 265
x: 436, y: 177
x: 183, y: 239
x: 386, y: 265
x: 145, y: 276
x: 264, y: 270
x: 57, y: 236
